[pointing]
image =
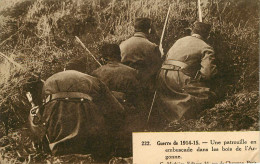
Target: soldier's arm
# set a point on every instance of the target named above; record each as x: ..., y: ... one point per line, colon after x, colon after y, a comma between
x: 108, y: 101
x: 159, y: 53
x: 208, y: 66
x: 112, y: 110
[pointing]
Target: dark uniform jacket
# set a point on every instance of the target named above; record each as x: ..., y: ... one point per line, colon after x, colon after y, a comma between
x: 118, y: 77
x: 139, y: 53
x: 79, y: 112
x: 188, y: 66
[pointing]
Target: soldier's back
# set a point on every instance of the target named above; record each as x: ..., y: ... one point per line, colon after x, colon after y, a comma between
x: 73, y: 81
x: 138, y: 52
x: 189, y: 50
x: 186, y: 47
x: 117, y: 76
x: 80, y: 113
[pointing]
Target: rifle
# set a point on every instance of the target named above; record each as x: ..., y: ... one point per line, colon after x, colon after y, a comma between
x: 161, y: 49
x: 82, y: 44
x: 164, y: 27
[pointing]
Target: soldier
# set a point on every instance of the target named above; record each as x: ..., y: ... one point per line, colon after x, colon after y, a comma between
x: 79, y: 115
x: 120, y: 79
x: 185, y: 74
x: 139, y: 53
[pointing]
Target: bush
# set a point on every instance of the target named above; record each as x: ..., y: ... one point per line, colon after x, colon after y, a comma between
x: 238, y: 112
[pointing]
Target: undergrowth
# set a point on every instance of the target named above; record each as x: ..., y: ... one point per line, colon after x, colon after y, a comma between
x: 40, y: 36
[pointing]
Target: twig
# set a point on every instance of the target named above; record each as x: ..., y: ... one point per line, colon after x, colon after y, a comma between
x: 11, y: 61
x: 11, y: 36
x: 224, y: 8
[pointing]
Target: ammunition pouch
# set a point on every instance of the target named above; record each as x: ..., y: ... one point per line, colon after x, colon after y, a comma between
x: 175, y: 65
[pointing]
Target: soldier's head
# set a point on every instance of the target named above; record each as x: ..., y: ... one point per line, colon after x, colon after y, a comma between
x: 143, y: 25
x: 110, y: 52
x: 77, y: 64
x: 202, y: 29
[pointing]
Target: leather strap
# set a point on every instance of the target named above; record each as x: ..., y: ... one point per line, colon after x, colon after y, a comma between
x: 68, y: 95
x: 174, y: 65
x: 170, y: 67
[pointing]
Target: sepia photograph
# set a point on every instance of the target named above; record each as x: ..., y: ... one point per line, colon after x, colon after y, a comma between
x: 107, y: 81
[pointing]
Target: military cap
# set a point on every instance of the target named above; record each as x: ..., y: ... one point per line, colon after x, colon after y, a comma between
x: 142, y: 24
x: 78, y: 64
x: 202, y: 29
x: 111, y: 51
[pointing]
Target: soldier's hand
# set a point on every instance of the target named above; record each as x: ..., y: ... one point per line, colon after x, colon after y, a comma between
x: 161, y: 50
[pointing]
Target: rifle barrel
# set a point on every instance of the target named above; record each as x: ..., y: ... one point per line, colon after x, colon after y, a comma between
x: 200, y: 14
x: 165, y: 23
x: 82, y: 44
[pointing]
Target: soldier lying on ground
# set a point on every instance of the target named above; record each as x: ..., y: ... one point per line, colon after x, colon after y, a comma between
x: 79, y: 115
x: 188, y: 68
